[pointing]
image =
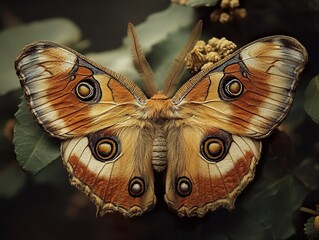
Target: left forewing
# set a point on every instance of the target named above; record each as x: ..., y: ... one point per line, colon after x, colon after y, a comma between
x: 69, y: 95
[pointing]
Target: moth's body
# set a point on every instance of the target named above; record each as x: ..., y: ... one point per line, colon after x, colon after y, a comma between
x: 205, y: 136
x: 159, y: 111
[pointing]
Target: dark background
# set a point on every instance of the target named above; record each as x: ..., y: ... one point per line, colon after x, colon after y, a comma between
x: 52, y: 209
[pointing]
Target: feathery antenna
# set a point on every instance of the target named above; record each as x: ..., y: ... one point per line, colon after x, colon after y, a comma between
x: 178, y: 66
x: 141, y: 64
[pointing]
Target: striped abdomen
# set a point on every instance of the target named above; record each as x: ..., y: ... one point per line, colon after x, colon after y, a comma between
x: 159, y: 154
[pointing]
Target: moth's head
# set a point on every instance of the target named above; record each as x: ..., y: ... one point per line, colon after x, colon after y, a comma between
x: 159, y: 96
x: 159, y: 108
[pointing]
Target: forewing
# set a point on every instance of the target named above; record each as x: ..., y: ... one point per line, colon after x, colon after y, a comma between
x: 250, y: 92
x: 70, y: 95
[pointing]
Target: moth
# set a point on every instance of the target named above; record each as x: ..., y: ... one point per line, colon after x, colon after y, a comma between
x: 205, y: 137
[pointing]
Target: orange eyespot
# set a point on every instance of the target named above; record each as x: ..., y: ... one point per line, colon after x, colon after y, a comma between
x: 230, y: 88
x: 88, y: 90
x: 234, y: 88
x: 213, y: 149
x: 85, y: 91
x: 106, y: 149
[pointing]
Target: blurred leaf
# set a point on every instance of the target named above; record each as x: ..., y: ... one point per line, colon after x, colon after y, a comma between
x: 12, y: 41
x: 8, y: 106
x: 248, y: 226
x: 34, y: 148
x: 159, y: 25
x: 313, y: 4
x: 155, y: 29
x: 297, y: 112
x: 199, y: 3
x: 266, y: 200
x: 12, y: 179
x: 168, y: 48
x: 49, y: 174
x: 308, y: 173
x: 311, y: 104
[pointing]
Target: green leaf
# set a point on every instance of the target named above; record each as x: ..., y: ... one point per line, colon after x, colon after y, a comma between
x: 8, y: 106
x: 247, y: 225
x: 308, y: 173
x: 12, y: 41
x: 154, y: 30
x: 168, y: 48
x: 266, y: 200
x: 33, y: 147
x: 12, y: 179
x: 49, y: 174
x: 297, y: 113
x: 311, y: 104
x: 199, y: 3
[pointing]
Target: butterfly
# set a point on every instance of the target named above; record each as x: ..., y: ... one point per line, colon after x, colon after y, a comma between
x: 205, y: 137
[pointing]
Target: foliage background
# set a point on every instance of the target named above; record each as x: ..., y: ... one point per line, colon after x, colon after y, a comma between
x: 45, y: 206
